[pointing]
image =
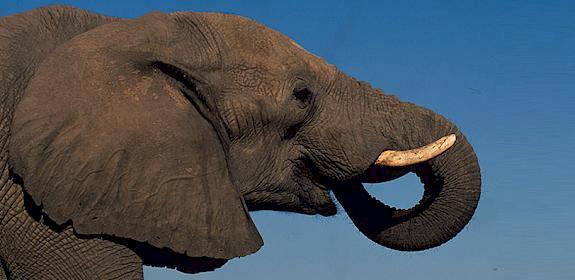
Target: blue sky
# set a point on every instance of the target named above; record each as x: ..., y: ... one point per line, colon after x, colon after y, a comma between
x: 504, y: 71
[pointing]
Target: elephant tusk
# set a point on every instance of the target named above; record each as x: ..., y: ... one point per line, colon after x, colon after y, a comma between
x: 421, y: 154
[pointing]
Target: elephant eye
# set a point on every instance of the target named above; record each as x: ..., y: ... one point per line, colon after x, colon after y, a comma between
x: 302, y: 94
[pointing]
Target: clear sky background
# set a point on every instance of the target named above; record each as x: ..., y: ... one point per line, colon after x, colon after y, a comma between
x: 504, y: 71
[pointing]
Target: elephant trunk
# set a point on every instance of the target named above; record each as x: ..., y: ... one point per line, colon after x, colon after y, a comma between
x: 451, y: 182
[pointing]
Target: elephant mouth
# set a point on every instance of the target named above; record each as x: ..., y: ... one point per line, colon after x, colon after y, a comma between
x: 388, y: 166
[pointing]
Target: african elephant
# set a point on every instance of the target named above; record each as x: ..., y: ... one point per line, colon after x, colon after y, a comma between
x: 149, y: 140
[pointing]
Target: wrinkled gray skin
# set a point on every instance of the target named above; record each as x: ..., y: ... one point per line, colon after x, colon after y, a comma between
x: 292, y: 128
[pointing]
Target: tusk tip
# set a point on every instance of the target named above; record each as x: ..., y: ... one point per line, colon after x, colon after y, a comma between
x: 449, y: 140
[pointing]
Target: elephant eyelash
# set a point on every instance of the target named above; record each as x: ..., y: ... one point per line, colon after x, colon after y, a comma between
x: 302, y: 94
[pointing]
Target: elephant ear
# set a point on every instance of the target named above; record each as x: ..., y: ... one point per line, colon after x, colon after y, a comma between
x: 110, y: 139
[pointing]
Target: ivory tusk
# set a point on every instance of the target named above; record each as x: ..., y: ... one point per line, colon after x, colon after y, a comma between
x: 421, y: 154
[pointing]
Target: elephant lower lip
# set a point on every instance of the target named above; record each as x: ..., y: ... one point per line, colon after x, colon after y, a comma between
x: 328, y: 209
x: 324, y: 205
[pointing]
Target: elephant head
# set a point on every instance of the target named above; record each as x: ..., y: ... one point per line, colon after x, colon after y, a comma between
x: 167, y: 129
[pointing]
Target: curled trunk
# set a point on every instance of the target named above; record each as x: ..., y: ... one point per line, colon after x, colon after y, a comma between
x: 451, y: 181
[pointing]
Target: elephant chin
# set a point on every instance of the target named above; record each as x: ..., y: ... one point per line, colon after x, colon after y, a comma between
x: 451, y: 192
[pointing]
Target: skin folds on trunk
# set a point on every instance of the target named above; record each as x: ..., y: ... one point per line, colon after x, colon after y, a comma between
x: 452, y: 187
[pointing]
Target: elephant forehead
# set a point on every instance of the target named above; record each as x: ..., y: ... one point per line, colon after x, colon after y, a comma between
x: 246, y: 39
x: 257, y: 44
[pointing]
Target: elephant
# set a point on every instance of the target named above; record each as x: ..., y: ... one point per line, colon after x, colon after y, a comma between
x: 148, y: 141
